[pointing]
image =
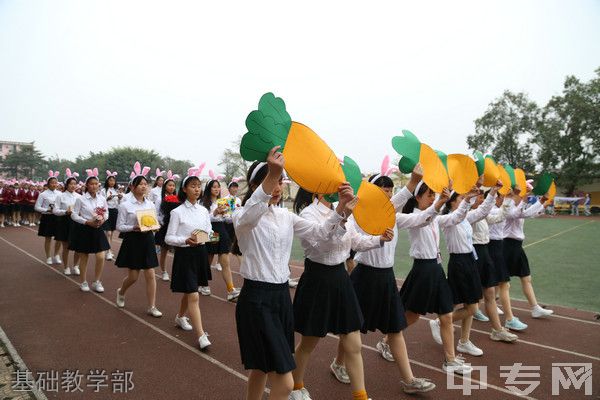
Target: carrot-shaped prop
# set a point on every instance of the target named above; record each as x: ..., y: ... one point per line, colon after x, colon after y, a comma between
x: 308, y: 159
x: 545, y: 186
x: 413, y: 152
x: 487, y: 167
x: 463, y: 172
x: 521, y: 180
x: 505, y: 179
x: 374, y: 212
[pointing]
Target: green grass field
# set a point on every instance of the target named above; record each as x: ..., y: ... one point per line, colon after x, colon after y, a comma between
x: 565, y: 268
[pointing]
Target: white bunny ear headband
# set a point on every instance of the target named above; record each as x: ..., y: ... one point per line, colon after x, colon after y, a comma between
x: 91, y: 173
x: 138, y: 171
x: 386, y: 170
x: 52, y: 175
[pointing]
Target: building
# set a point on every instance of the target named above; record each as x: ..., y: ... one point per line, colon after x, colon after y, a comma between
x: 8, y: 147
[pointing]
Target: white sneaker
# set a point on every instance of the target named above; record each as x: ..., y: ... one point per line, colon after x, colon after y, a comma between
x: 97, y: 286
x: 17, y: 224
x: 49, y: 260
x: 203, y: 341
x: 2, y: 225
x: 183, y: 323
x: 67, y: 271
x: 293, y: 283
x: 154, y: 312
x: 384, y: 350
x: 469, y: 348
x: 339, y: 371
x: 539, y: 312
x: 218, y: 267
x: 109, y: 256
x: 503, y: 335
x: 84, y: 287
x: 499, y: 310
x: 76, y: 270
x: 57, y: 260
x: 120, y: 299
x: 32, y: 224
x: 204, y: 290
x: 165, y: 276
x: 301, y: 394
x: 457, y: 366
x: 234, y: 294
x: 435, y: 330
x: 418, y: 385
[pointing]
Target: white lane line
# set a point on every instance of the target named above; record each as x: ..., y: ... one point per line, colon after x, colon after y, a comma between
x: 141, y: 320
x: 557, y: 234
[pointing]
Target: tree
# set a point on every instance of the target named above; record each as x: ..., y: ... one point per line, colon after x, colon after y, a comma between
x: 27, y: 162
x: 179, y: 167
x: 506, y: 129
x: 232, y: 162
x: 569, y: 133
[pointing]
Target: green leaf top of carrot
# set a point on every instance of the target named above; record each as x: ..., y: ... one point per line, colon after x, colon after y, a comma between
x: 480, y: 162
x: 409, y: 147
x: 267, y: 127
x: 353, y: 176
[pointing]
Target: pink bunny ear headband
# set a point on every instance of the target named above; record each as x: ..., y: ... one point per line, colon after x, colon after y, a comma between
x: 171, y: 176
x: 158, y: 174
x: 386, y: 170
x: 193, y: 172
x: 109, y: 174
x: 52, y: 175
x: 214, y: 176
x: 235, y: 179
x: 91, y: 173
x: 70, y: 175
x: 138, y: 171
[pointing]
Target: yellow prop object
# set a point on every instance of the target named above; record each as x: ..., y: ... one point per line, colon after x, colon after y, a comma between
x: 310, y: 162
x: 491, y: 173
x: 551, y: 194
x: 521, y: 181
x: 463, y: 172
x: 505, y: 179
x: 149, y: 220
x: 434, y: 172
x: 374, y: 212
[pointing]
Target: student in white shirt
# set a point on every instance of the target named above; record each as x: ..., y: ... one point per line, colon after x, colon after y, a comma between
x: 463, y: 273
x: 426, y: 289
x: 44, y: 205
x: 159, y: 180
x: 113, y: 198
x: 90, y: 212
x: 514, y: 255
x: 218, y: 216
x: 166, y: 203
x: 233, y: 188
x: 325, y: 301
x: 190, y: 262
x: 64, y: 224
x: 377, y: 291
x: 137, y: 251
x: 264, y: 315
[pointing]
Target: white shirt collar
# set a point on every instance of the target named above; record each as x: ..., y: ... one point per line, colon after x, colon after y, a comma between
x: 190, y: 205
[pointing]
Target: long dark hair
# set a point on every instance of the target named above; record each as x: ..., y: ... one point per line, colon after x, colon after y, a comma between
x: 207, y: 195
x: 303, y: 199
x: 106, y: 182
x: 164, y: 206
x: 260, y: 176
x: 69, y: 181
x: 181, y: 195
x: 411, y: 204
x: 448, y: 206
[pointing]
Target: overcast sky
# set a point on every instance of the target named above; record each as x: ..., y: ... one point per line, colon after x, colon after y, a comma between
x: 180, y: 77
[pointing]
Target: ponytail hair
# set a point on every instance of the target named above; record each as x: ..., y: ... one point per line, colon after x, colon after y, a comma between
x: 255, y: 179
x: 303, y: 199
x: 411, y: 204
x: 447, y: 207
